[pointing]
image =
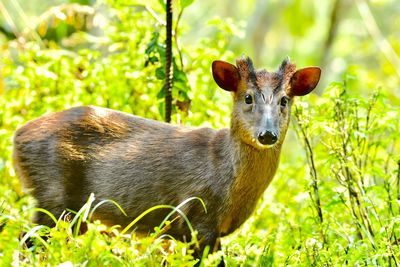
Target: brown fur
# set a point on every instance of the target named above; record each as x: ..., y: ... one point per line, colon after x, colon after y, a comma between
x: 63, y: 157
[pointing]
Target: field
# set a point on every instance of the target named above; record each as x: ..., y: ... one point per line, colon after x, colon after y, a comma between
x: 335, y: 199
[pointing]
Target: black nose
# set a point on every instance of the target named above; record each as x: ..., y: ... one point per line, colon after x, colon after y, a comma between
x: 267, y: 138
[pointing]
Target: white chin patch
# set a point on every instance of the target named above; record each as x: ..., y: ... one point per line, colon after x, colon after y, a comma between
x: 261, y: 146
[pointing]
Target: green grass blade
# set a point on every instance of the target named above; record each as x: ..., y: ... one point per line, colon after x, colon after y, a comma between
x: 33, y: 233
x: 183, y: 203
x: 106, y: 201
x: 48, y: 213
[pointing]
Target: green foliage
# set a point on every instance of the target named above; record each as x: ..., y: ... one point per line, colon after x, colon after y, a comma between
x: 334, y: 201
x: 352, y: 158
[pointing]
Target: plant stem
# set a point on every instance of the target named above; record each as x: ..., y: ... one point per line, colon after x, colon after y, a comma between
x: 168, y: 64
x: 398, y: 183
x: 313, y: 171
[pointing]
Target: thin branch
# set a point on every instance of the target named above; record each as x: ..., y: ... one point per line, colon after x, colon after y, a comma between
x: 398, y: 183
x: 313, y: 170
x: 168, y: 64
x: 9, y: 20
x: 155, y: 16
x: 176, y: 37
x: 27, y: 23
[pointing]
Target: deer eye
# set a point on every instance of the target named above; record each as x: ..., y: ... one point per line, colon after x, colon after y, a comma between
x: 284, y: 101
x: 248, y: 99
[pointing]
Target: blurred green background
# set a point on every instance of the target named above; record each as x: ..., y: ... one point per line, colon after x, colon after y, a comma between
x: 338, y: 35
x: 342, y: 147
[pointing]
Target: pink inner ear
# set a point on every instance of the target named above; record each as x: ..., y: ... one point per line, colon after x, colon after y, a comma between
x: 225, y: 75
x: 304, y: 81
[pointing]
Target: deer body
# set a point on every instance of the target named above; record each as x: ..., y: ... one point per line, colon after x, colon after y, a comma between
x: 63, y: 157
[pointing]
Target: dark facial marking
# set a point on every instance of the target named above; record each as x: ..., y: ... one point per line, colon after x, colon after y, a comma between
x: 252, y: 72
x: 281, y: 73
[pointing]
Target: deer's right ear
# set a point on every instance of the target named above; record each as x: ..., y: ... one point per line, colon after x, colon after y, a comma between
x: 225, y: 75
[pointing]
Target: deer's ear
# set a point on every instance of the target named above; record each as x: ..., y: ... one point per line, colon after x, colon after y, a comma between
x: 304, y: 81
x: 225, y: 75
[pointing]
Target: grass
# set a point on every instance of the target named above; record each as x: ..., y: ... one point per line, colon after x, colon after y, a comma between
x: 355, y: 222
x: 334, y: 201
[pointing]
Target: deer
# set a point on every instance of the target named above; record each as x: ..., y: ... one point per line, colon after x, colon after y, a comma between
x: 63, y: 157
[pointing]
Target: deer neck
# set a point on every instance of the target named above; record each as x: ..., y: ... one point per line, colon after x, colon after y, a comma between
x: 254, y: 168
x: 253, y: 171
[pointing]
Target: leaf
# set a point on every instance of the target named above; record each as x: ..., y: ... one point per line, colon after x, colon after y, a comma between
x: 162, y: 4
x: 186, y: 3
x: 179, y: 76
x: 160, y: 73
x: 153, y: 59
x: 161, y: 93
x: 161, y: 108
x: 161, y: 50
x: 152, y: 45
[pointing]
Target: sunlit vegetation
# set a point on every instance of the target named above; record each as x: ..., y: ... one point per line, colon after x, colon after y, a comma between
x: 335, y: 200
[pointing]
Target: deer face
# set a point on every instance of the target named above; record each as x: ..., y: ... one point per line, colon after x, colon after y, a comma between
x: 262, y: 99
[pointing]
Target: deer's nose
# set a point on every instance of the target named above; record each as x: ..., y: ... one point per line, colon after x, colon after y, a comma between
x: 267, y: 137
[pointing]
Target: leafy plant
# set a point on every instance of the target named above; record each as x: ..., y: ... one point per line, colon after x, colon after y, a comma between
x: 334, y: 201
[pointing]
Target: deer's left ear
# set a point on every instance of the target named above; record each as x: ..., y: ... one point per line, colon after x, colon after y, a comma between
x: 304, y: 81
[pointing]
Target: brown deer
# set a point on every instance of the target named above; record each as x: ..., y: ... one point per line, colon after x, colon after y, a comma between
x: 63, y: 157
